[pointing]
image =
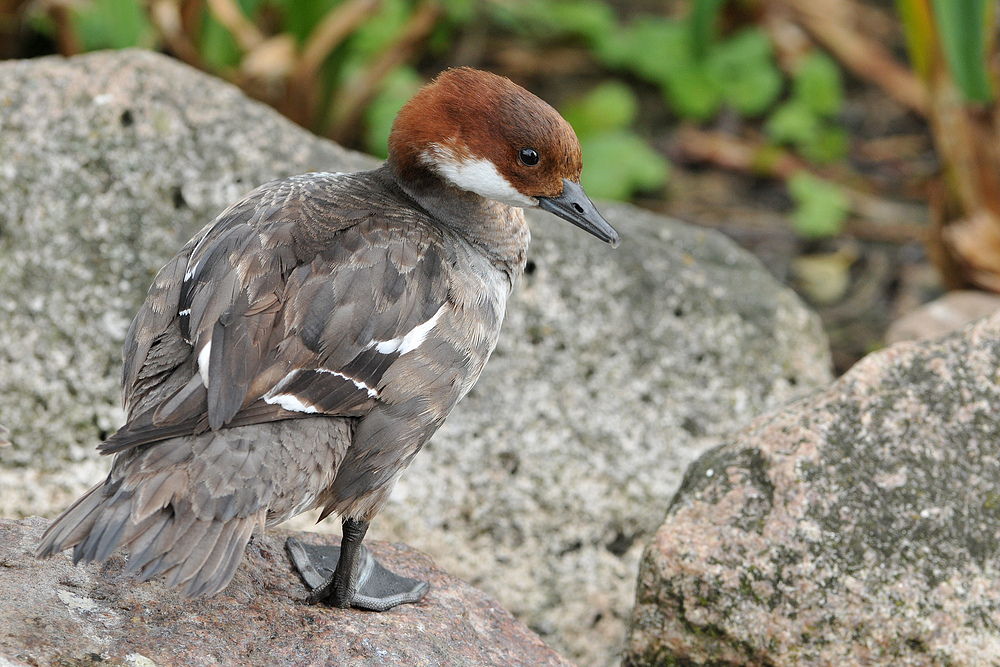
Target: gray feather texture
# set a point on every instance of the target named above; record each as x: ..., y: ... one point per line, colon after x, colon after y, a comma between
x: 296, y: 353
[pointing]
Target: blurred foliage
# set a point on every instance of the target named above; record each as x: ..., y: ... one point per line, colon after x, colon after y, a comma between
x: 738, y: 72
x: 343, y: 68
x: 953, y: 49
x: 821, y: 206
x: 113, y: 24
x: 966, y: 28
x: 396, y: 91
x: 807, y: 120
x: 627, y: 163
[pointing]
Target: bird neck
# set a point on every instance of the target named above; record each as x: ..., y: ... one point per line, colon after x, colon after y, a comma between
x: 497, y: 230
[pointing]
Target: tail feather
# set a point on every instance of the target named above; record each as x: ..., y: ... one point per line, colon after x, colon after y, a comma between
x: 156, y: 494
x: 207, y: 582
x: 185, y: 508
x: 141, y: 550
x: 185, y: 549
x: 164, y: 534
x: 102, y: 544
x: 154, y: 557
x: 73, y: 525
x: 209, y: 565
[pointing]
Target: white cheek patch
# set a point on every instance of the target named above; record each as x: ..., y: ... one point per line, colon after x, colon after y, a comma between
x: 477, y: 175
x: 411, y: 341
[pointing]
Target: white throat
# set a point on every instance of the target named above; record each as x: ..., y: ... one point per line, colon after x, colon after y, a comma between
x: 477, y: 175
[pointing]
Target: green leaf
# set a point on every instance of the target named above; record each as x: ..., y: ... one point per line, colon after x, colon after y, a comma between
x: 376, y: 34
x: 652, y: 48
x: 829, y: 145
x: 610, y: 106
x: 739, y: 71
x: 744, y: 70
x: 694, y: 93
x: 460, y: 11
x: 793, y: 123
x: 218, y: 47
x: 112, y: 24
x: 555, y: 18
x: 618, y: 163
x: 587, y: 18
x: 821, y: 206
x: 702, y: 21
x: 396, y: 90
x: 819, y: 140
x: 965, y: 27
x: 818, y: 85
x: 918, y: 27
x: 300, y: 17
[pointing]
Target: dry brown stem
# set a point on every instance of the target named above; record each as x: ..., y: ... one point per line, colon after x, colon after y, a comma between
x: 66, y: 38
x: 301, y: 98
x: 893, y: 221
x: 729, y: 152
x: 830, y: 24
x: 167, y: 18
x: 355, y: 97
x: 231, y: 16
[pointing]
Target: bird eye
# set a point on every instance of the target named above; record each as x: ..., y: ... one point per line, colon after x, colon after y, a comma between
x: 528, y: 156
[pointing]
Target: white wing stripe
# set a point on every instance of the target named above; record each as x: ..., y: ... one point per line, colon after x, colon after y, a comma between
x: 203, y: 357
x: 372, y: 393
x: 290, y: 402
x: 411, y: 340
x: 192, y: 269
x: 275, y: 395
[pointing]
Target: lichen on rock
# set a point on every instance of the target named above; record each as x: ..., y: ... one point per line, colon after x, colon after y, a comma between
x: 860, y: 526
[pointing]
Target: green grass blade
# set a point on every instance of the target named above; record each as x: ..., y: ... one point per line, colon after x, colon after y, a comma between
x: 964, y: 27
x: 703, y: 20
x: 915, y: 15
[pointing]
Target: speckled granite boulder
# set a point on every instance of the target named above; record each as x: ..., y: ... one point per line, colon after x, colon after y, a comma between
x: 860, y: 526
x: 55, y: 614
x: 616, y: 368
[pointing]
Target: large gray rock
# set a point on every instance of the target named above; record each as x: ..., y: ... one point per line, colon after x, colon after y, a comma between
x: 55, y: 614
x: 616, y: 368
x: 858, y: 527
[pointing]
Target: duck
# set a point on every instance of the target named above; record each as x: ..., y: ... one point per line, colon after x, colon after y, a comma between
x: 299, y: 351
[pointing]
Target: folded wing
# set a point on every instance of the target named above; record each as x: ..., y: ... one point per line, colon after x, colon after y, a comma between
x: 294, y: 302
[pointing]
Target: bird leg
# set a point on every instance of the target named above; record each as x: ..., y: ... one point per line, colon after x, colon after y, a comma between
x: 349, y: 576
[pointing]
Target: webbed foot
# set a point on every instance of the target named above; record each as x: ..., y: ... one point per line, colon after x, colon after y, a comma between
x: 362, y: 584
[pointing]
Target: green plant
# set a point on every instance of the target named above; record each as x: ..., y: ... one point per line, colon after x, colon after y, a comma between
x: 621, y: 163
x: 697, y: 76
x: 321, y: 62
x: 953, y: 46
x: 112, y: 24
x: 821, y: 206
x: 807, y: 120
x: 396, y: 90
x: 548, y: 19
x: 700, y: 72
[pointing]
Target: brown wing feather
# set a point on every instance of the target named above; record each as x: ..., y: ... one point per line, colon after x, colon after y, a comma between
x: 300, y: 295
